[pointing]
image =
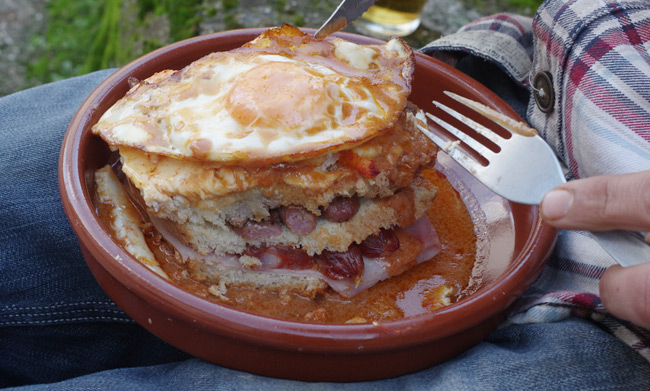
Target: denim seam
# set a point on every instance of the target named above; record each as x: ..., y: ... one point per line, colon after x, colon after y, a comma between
x: 56, y: 321
x: 64, y: 312
x: 15, y: 307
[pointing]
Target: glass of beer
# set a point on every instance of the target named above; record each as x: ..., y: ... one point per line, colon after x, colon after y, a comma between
x: 392, y: 17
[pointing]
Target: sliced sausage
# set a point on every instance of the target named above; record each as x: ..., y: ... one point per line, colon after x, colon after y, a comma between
x: 341, y: 209
x: 379, y: 245
x: 252, y: 230
x: 341, y: 265
x: 299, y: 220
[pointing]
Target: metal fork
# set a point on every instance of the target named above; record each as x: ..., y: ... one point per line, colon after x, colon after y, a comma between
x: 521, y: 168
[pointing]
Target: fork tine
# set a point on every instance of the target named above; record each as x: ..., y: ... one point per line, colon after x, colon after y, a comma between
x: 434, y: 137
x: 462, y: 136
x: 462, y: 158
x: 507, y: 123
x: 482, y: 130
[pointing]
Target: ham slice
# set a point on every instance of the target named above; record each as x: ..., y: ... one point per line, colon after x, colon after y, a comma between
x: 423, y: 230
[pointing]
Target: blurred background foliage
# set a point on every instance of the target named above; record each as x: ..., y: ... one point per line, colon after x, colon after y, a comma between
x: 80, y: 36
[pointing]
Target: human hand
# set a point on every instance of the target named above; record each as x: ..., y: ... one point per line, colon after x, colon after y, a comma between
x: 603, y: 203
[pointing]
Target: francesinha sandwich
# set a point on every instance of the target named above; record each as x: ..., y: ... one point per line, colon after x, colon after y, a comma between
x: 289, y: 163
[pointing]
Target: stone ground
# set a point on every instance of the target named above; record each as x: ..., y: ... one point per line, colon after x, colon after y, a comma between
x: 22, y: 21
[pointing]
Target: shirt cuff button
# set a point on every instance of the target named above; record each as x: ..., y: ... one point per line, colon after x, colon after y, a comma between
x: 543, y: 91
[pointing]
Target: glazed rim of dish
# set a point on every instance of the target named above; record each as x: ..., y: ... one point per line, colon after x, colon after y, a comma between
x: 489, y: 300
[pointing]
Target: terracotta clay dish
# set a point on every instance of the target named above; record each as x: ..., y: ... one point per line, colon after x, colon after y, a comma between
x: 512, y: 246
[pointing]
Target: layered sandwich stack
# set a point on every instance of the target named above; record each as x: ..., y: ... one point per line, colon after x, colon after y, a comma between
x: 288, y: 163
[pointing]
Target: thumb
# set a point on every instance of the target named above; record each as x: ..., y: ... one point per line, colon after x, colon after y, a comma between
x: 600, y: 203
x: 625, y: 292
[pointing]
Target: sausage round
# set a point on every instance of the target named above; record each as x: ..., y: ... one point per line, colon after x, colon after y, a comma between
x: 298, y: 219
x: 341, y: 209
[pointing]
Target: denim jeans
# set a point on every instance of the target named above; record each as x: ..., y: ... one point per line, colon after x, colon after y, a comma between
x: 59, y: 330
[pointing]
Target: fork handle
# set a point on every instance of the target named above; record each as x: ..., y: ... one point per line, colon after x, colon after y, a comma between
x: 626, y: 247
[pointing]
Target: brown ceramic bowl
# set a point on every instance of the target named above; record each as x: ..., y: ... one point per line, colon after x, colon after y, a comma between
x: 513, y: 246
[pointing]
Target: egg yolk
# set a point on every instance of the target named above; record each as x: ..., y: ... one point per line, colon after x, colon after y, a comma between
x: 279, y: 95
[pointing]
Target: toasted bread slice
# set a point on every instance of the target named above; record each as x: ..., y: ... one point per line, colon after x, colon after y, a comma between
x: 399, y: 210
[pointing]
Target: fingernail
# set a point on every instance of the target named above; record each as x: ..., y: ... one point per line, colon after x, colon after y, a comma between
x: 556, y: 204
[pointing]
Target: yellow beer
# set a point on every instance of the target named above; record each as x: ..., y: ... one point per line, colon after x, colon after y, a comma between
x: 393, y: 17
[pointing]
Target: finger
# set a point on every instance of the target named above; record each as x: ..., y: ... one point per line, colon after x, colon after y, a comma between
x: 625, y: 292
x: 600, y: 203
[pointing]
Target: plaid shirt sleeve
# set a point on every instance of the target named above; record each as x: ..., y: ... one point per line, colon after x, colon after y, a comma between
x: 596, y: 53
x: 504, y: 39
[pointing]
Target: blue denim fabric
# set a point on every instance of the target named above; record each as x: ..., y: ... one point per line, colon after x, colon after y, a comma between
x: 58, y: 330
x: 55, y: 321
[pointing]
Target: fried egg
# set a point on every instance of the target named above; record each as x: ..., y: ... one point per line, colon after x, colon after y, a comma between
x: 284, y: 96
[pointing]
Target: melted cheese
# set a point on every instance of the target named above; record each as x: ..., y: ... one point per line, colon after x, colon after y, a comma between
x: 124, y: 219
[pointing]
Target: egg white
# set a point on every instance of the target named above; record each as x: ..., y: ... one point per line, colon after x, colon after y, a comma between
x: 257, y: 106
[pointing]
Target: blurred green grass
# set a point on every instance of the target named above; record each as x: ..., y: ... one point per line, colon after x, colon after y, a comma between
x: 82, y: 36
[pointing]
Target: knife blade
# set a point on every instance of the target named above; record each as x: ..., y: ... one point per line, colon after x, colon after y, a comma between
x: 626, y: 247
x: 347, y: 12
